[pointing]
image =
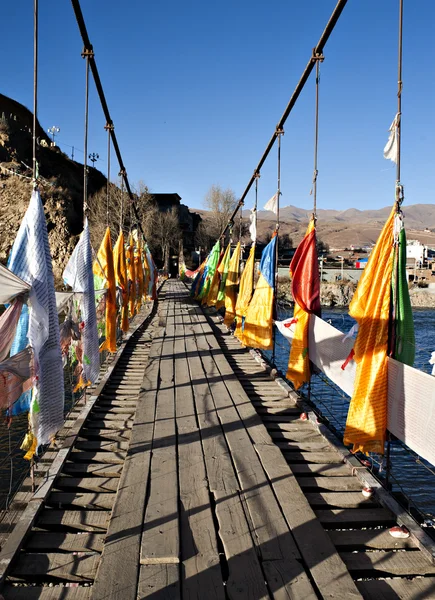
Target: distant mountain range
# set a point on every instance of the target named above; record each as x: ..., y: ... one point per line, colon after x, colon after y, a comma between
x: 417, y: 216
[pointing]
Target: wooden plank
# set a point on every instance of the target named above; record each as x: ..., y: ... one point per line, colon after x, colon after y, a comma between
x: 282, y: 582
x: 340, y: 499
x: 159, y: 582
x: 108, y: 424
x: 376, y: 539
x: 394, y: 589
x: 332, y: 484
x: 325, y: 470
x: 118, y: 572
x: 68, y: 542
x: 95, y: 469
x: 160, y: 537
x: 202, y: 576
x: 49, y: 566
x: 387, y: 564
x: 79, y: 520
x: 293, y: 456
x: 308, y: 446
x: 245, y: 579
x: 326, y: 566
x: 57, y: 592
x: 106, y: 434
x: 353, y: 517
x: 295, y: 435
x: 111, y: 458
x: 81, y: 499
x: 106, y: 445
x: 91, y: 484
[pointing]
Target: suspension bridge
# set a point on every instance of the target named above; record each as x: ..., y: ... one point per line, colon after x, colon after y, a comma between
x: 190, y: 468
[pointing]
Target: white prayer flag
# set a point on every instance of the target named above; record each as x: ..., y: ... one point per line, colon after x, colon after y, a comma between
x: 390, y: 150
x: 253, y: 225
x: 272, y: 204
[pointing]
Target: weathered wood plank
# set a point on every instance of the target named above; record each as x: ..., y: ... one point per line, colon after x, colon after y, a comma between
x: 376, y: 539
x: 159, y: 582
x: 160, y: 537
x: 364, y: 517
x: 387, y: 564
x: 325, y: 470
x: 293, y: 456
x: 81, y: 499
x: 68, y: 542
x: 79, y: 520
x: 282, y: 580
x: 340, y: 499
x: 394, y: 589
x: 56, y: 592
x: 95, y: 469
x: 118, y: 573
x: 65, y: 567
x: 245, y: 579
x: 99, y: 445
x: 326, y: 566
x: 332, y: 484
x: 202, y: 576
x: 91, y: 484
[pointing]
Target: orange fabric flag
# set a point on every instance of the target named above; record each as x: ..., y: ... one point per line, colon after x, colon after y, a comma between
x: 246, y: 290
x: 122, y: 278
x: 103, y: 268
x: 258, y: 327
x: 231, y: 286
x: 131, y: 278
x: 138, y: 269
x: 304, y: 270
x: 367, y: 417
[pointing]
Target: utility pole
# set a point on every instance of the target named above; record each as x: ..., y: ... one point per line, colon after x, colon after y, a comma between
x: 53, y: 131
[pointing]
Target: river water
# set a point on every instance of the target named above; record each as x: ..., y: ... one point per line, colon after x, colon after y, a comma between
x: 409, y: 475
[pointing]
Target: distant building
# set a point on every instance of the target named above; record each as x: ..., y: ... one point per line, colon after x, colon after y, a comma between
x: 189, y: 221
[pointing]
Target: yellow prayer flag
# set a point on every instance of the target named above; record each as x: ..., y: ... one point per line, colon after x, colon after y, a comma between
x: 103, y: 267
x: 122, y: 278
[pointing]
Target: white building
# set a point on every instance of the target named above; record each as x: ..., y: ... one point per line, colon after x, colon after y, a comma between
x: 416, y: 251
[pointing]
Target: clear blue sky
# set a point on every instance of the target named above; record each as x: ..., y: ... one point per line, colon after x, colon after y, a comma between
x: 196, y: 88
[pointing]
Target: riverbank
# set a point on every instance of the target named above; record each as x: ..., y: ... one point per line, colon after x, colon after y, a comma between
x: 340, y: 294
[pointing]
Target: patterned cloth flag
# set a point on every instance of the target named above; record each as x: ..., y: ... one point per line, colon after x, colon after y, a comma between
x: 390, y: 150
x: 253, y: 225
x: 246, y: 290
x: 131, y: 278
x: 402, y: 340
x: 231, y: 286
x: 272, y: 204
x: 30, y: 259
x: 304, y: 270
x: 209, y: 271
x: 258, y: 328
x: 121, y: 276
x: 103, y: 268
x: 78, y: 274
x: 370, y: 307
x: 220, y: 300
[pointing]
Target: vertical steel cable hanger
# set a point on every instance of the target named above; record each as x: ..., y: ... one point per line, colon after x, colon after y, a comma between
x: 299, y: 87
x: 108, y: 127
x: 399, y: 187
x: 317, y: 58
x: 35, y: 91
x: 86, y: 54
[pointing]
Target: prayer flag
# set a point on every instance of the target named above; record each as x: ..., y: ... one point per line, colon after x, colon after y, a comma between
x: 258, y: 328
x: 272, y: 204
x: 370, y: 307
x: 121, y: 275
x: 245, y: 292
x: 104, y: 268
x: 304, y: 270
x: 390, y: 150
x: 231, y: 286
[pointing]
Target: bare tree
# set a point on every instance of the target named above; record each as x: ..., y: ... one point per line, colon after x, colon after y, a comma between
x: 221, y: 204
x: 165, y: 233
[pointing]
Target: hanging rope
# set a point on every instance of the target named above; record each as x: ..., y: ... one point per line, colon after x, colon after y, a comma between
x: 399, y: 187
x: 318, y: 58
x: 109, y: 127
x: 35, y: 90
x: 86, y: 54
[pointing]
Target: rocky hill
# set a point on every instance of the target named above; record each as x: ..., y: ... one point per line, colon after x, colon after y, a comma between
x: 61, y: 186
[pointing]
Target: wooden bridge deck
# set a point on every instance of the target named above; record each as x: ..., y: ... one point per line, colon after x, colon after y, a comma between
x: 190, y: 475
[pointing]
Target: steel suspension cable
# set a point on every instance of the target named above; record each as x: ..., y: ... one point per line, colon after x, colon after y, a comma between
x: 35, y: 90
x: 88, y: 48
x: 299, y: 87
x: 399, y: 186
